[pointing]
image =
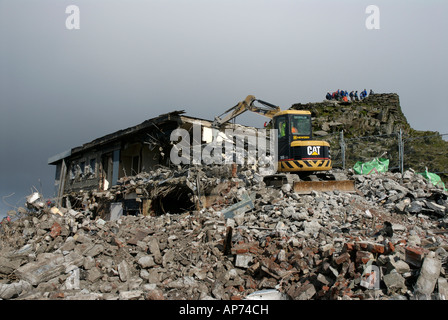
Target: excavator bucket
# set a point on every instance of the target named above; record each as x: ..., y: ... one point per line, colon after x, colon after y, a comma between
x: 305, y: 187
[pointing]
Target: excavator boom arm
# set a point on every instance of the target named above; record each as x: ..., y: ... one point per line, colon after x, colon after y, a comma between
x: 245, y: 105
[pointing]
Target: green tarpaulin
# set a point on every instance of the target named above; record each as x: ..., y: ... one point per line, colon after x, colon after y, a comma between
x: 375, y: 166
x: 433, y: 178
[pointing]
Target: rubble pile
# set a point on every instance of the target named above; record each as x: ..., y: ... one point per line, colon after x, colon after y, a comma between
x: 386, y: 241
x: 407, y: 193
x: 171, y: 190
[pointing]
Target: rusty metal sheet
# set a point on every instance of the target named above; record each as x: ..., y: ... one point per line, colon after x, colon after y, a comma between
x: 306, y: 187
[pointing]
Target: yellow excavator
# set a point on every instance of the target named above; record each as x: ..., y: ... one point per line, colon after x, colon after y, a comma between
x: 297, y: 151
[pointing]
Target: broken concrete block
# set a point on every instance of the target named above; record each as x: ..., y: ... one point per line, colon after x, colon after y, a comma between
x: 399, y: 265
x: 243, y: 260
x: 123, y: 271
x: 130, y: 295
x: 69, y: 244
x: 88, y: 263
x: 414, y: 207
x: 146, y: 261
x: 168, y: 258
x: 155, y: 250
x: 394, y: 282
x: 93, y: 251
x: 23, y: 252
x: 312, y: 227
x: 94, y: 274
x: 442, y: 285
x: 402, y: 205
x: 85, y: 296
x: 429, y: 273
x: 218, y: 290
x: 7, y: 266
x: 39, y: 271
x: 152, y: 293
x: 15, y: 289
x: 288, y: 212
x: 324, y: 279
x: 73, y: 259
x: 305, y: 292
x: 72, y: 281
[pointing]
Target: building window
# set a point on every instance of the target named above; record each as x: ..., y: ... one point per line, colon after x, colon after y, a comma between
x: 82, y: 169
x: 92, y: 167
x: 73, y: 171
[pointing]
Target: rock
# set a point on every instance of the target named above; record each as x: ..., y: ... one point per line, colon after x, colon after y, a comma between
x: 288, y: 212
x: 312, y: 227
x: 218, y: 291
x: 72, y: 281
x: 154, y: 294
x: 306, y: 292
x: 286, y: 187
x: 40, y: 271
x: 438, y: 209
x: 8, y: 266
x: 397, y: 264
x: 429, y: 273
x: 394, y: 282
x: 15, y: 289
x: 402, y: 205
x: 93, y: 251
x: 168, y: 258
x: 94, y: 275
x: 146, y: 262
x: 243, y: 260
x: 414, y: 207
x: 155, y: 250
x: 123, y: 271
x: 130, y: 295
x: 442, y: 285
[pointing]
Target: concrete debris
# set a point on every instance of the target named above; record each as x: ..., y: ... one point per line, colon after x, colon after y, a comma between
x: 427, y: 279
x: 219, y: 233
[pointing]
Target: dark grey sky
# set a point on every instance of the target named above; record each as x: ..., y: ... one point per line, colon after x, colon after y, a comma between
x: 133, y: 60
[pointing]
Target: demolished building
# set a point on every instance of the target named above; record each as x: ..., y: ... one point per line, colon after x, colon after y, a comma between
x: 104, y: 164
x: 100, y: 163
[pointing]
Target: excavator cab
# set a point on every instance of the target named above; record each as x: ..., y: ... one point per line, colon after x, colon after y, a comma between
x: 297, y: 151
